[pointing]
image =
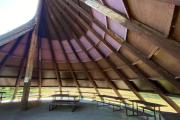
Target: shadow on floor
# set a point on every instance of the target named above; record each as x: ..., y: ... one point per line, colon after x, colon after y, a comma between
x: 39, y: 111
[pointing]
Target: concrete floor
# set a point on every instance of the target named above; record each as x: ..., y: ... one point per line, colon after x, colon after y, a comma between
x: 87, y: 111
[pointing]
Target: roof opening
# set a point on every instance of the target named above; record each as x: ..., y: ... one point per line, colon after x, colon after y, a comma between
x: 14, y: 13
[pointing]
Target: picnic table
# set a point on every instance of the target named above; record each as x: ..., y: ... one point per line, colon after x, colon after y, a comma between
x: 112, y: 97
x: 64, y: 99
x: 112, y: 101
x: 146, y: 106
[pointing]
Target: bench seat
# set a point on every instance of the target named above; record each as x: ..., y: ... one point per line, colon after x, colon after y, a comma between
x: 60, y: 102
x: 140, y: 113
x: 56, y: 103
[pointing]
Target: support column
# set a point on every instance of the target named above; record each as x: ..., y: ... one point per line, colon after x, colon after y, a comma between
x: 29, y: 70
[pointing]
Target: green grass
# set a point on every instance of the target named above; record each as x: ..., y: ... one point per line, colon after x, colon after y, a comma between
x: 46, y: 92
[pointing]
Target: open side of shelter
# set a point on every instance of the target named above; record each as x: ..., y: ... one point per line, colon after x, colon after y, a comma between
x: 130, y: 45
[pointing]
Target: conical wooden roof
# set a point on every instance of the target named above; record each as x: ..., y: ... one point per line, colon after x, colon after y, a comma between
x: 126, y: 45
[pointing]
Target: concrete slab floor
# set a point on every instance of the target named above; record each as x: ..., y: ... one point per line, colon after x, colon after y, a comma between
x: 86, y: 111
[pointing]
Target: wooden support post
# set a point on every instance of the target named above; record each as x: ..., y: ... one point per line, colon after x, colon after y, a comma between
x: 31, y: 59
x: 29, y: 70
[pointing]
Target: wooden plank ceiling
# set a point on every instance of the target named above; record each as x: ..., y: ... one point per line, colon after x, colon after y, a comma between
x: 127, y: 45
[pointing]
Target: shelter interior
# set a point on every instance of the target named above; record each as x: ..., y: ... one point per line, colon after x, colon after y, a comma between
x: 95, y: 49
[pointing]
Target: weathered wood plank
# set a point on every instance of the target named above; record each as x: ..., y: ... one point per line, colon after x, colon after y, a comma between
x: 29, y: 70
x: 132, y: 49
x: 22, y: 65
x: 51, y: 21
x: 170, y: 46
x: 133, y: 68
x: 31, y: 59
x: 173, y: 2
x: 106, y: 77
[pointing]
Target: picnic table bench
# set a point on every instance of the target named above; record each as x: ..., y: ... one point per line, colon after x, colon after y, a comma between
x: 145, y: 106
x: 71, y: 100
x: 115, y: 102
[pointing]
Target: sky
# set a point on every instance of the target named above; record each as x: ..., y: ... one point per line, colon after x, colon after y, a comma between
x: 14, y: 13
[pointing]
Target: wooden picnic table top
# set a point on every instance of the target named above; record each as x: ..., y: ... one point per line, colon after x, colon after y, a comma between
x: 113, y: 97
x: 149, y: 104
x: 64, y: 95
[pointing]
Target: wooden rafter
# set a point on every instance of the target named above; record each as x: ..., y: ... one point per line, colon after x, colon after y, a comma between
x: 39, y: 67
x: 31, y: 59
x: 157, y: 38
x: 29, y: 70
x: 133, y: 68
x: 95, y: 70
x: 51, y: 21
x: 85, y: 69
x: 106, y: 77
x: 22, y: 65
x: 10, y: 52
x: 63, y: 22
x: 122, y: 76
x: 164, y: 73
x: 55, y: 64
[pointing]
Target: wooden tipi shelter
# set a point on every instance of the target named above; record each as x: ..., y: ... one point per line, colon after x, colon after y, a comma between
x: 131, y: 45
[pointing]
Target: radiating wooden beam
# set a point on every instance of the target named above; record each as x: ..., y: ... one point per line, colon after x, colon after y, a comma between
x: 100, y: 79
x: 158, y: 38
x: 22, y: 65
x: 29, y: 70
x: 106, y: 77
x: 55, y: 64
x: 39, y: 67
x: 85, y: 69
x: 10, y: 52
x: 31, y: 58
x: 133, y: 68
x: 125, y: 44
x: 51, y: 21
x: 122, y: 76
x: 6, y: 57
